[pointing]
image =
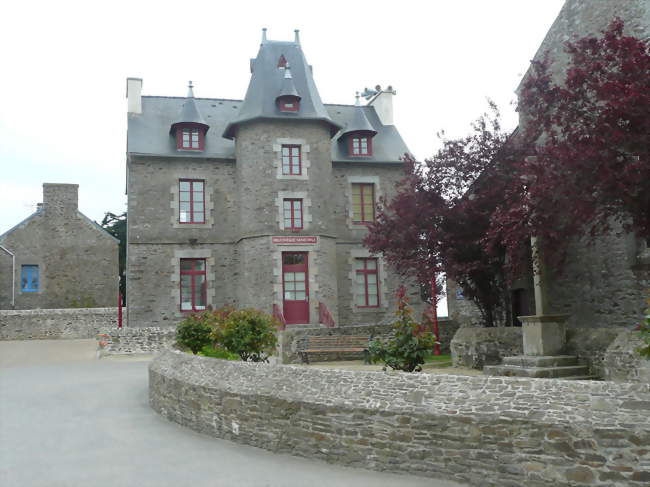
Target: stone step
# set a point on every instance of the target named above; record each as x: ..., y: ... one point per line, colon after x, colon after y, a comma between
x: 541, y: 361
x: 581, y: 377
x: 537, y: 372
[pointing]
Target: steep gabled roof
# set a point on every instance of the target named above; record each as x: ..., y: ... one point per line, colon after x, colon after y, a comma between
x: 266, y: 84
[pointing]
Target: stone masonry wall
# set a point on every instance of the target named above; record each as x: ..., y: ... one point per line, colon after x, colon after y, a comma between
x: 55, y: 323
x: 147, y: 340
x: 610, y: 353
x: 486, y: 431
x: 621, y: 361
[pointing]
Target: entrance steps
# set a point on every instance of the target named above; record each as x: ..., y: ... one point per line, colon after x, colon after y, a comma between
x: 542, y: 367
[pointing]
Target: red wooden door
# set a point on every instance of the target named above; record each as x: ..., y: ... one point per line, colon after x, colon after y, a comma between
x: 295, y: 284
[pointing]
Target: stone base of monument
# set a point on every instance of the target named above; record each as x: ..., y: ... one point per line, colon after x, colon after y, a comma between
x: 544, y: 342
x: 542, y: 367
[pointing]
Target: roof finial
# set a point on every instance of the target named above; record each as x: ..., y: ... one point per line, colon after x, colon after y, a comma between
x: 190, y: 91
x: 296, y: 36
x: 357, y: 102
x: 287, y: 71
x: 263, y: 34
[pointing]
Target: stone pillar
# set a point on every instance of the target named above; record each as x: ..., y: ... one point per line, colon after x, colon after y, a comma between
x: 544, y: 334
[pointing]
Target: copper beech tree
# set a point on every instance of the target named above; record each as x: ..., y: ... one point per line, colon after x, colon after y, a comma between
x: 586, y: 132
x: 577, y: 166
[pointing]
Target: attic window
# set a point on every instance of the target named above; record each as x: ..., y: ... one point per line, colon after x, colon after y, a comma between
x: 360, y: 145
x: 289, y: 103
x: 282, y: 62
x: 190, y: 138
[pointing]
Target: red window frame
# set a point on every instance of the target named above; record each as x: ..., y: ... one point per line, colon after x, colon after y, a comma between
x: 293, y: 166
x: 289, y: 103
x: 181, y: 144
x: 194, y: 272
x: 365, y: 272
x: 359, y: 139
x: 363, y: 196
x: 193, y: 213
x: 290, y: 223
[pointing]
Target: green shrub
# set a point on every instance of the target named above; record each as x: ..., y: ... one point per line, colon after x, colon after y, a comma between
x: 194, y: 332
x: 410, y: 345
x: 249, y: 333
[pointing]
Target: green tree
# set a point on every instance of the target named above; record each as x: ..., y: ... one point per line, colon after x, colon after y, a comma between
x: 116, y: 226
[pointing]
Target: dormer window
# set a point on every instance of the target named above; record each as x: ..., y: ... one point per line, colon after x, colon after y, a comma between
x: 190, y: 138
x: 189, y: 129
x: 288, y: 103
x: 359, y: 145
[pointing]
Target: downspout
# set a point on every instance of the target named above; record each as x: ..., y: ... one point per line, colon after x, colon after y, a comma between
x: 13, y: 277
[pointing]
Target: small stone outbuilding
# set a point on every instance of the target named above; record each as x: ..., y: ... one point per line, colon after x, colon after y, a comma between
x: 58, y: 257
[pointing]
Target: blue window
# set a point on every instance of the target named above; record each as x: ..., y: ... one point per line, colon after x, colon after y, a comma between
x: 29, y: 279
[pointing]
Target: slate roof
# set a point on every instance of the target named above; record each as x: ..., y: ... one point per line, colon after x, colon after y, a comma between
x: 189, y: 112
x: 148, y: 132
x: 266, y: 84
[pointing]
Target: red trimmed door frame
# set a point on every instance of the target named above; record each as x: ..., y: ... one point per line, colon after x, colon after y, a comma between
x: 295, y: 287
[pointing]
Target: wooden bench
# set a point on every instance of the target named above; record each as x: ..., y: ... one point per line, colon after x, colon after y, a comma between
x: 339, y: 343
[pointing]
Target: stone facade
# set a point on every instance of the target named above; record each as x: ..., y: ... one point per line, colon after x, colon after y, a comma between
x: 243, y: 237
x: 75, y: 260
x: 485, y: 431
x: 74, y: 323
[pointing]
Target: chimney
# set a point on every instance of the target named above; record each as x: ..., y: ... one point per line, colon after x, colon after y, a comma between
x: 383, y: 103
x: 134, y: 95
x: 60, y: 199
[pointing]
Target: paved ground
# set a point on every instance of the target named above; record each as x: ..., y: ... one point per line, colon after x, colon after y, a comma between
x: 69, y: 420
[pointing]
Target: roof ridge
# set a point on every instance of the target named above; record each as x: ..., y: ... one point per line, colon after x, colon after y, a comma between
x: 196, y: 98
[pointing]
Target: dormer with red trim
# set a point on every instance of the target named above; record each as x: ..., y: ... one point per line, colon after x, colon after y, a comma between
x: 358, y: 134
x: 190, y: 128
x: 288, y: 100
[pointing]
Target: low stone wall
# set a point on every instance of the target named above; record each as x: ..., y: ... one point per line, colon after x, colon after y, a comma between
x: 621, y: 362
x: 610, y: 353
x: 486, y: 431
x: 476, y: 347
x: 55, y: 323
x: 292, y: 340
x: 115, y: 341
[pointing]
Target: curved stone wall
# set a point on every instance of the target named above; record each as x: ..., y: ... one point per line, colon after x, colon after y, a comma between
x: 481, y: 430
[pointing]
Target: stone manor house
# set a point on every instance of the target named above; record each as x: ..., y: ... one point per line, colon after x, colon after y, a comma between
x: 261, y: 202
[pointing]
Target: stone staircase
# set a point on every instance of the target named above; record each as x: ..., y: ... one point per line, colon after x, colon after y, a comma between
x: 541, y: 367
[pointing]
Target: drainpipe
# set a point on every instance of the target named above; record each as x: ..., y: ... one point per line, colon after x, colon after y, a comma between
x: 13, y: 277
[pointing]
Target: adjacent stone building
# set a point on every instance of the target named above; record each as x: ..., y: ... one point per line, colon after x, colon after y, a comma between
x: 604, y: 286
x: 261, y: 202
x: 58, y: 257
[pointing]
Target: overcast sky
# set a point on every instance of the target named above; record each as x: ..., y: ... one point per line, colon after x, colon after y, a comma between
x: 63, y: 108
